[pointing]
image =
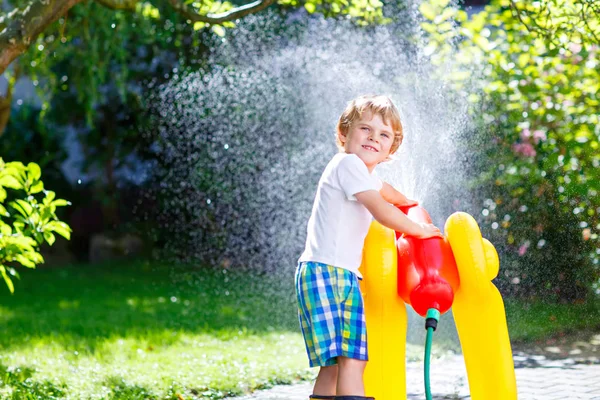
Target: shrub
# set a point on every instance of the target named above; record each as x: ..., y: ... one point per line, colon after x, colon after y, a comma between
x: 32, y: 222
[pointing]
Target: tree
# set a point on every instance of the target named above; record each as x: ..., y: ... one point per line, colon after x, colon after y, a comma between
x: 556, y: 20
x: 40, y: 30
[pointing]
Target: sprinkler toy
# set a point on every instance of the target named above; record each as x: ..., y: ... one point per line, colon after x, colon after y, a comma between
x: 433, y: 275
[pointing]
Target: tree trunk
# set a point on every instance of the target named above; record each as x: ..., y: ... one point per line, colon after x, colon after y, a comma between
x: 19, y: 28
x: 6, y: 100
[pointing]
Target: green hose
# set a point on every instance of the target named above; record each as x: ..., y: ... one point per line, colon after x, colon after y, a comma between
x: 431, y: 321
x: 428, y: 341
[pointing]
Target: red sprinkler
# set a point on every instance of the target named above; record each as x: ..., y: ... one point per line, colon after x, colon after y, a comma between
x: 427, y: 279
x: 427, y: 273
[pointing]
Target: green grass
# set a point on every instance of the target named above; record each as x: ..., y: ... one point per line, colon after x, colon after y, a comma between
x: 151, y: 331
x: 534, y: 320
x: 142, y: 331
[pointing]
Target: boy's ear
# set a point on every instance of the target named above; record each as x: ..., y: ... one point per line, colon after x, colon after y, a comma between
x: 341, y: 137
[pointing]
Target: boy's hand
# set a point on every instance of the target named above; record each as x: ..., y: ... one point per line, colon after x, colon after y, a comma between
x: 429, y: 231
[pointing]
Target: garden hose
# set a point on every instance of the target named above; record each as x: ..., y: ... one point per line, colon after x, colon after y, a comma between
x: 431, y: 321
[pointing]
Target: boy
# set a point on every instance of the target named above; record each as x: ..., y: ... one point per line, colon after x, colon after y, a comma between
x: 348, y: 197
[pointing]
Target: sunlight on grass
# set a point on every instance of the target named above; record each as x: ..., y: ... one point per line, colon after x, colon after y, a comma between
x: 202, y: 365
x: 144, y: 331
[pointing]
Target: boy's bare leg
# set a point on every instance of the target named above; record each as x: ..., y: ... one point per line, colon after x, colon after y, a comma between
x: 326, y: 381
x: 350, y: 377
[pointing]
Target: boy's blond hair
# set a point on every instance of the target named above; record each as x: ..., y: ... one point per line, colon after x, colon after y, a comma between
x: 381, y: 105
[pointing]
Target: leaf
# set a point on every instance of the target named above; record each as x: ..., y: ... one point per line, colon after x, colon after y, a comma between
x: 3, y: 211
x: 24, y: 243
x: 50, y: 238
x: 7, y: 279
x: 448, y: 13
x: 310, y: 7
x: 50, y: 195
x: 36, y: 187
x: 19, y: 226
x: 34, y: 171
x: 5, y: 229
x: 428, y: 11
x: 219, y: 30
x: 38, y: 236
x: 22, y: 207
x: 61, y: 202
x: 61, y: 228
x: 25, y: 260
x: 10, y: 181
x: 46, y: 215
x: 482, y: 42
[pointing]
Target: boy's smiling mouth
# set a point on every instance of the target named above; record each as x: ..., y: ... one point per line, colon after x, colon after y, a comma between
x: 370, y: 148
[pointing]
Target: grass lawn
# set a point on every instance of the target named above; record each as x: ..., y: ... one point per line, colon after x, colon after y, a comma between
x: 141, y: 331
x: 536, y: 320
x: 148, y: 331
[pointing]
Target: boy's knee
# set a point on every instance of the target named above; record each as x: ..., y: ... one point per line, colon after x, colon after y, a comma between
x: 345, y: 362
x: 330, y: 370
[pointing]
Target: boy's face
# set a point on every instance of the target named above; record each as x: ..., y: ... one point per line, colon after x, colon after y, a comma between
x: 370, y: 139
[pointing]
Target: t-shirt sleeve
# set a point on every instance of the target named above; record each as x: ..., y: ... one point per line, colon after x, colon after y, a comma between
x: 354, y: 177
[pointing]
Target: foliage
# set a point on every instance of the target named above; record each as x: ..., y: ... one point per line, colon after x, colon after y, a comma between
x: 535, y: 95
x: 93, y: 70
x: 28, y: 139
x: 101, y: 45
x: 31, y: 224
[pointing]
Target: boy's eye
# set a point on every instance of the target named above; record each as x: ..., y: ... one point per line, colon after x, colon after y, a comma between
x: 385, y: 135
x: 364, y: 128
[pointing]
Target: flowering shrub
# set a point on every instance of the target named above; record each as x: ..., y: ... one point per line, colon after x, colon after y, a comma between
x: 531, y: 70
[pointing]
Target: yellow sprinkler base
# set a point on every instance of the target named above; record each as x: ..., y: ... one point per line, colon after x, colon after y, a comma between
x: 478, y: 311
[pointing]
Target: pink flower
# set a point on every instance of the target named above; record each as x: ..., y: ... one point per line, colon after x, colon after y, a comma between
x: 575, y: 47
x: 539, y: 136
x: 568, y: 103
x: 525, y: 149
x: 523, y: 249
x: 525, y: 134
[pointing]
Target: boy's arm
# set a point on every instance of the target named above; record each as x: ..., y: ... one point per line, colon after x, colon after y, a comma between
x: 393, y: 218
x: 393, y: 196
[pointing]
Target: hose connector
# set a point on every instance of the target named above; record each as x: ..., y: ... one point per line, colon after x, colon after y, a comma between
x: 432, y: 318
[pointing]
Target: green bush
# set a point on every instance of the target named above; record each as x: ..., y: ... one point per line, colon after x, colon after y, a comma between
x: 531, y: 72
x: 31, y: 223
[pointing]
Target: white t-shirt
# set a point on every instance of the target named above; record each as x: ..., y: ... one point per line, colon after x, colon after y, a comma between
x: 339, y: 224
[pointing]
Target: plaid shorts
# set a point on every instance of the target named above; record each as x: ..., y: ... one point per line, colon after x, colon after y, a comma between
x: 331, y: 313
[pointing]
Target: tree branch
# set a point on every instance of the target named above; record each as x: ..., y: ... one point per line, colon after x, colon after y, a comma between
x: 566, y: 22
x: 216, y: 19
x: 128, y: 5
x: 587, y: 24
x: 21, y: 27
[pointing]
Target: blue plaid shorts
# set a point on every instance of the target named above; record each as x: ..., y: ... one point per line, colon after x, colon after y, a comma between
x: 331, y: 313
